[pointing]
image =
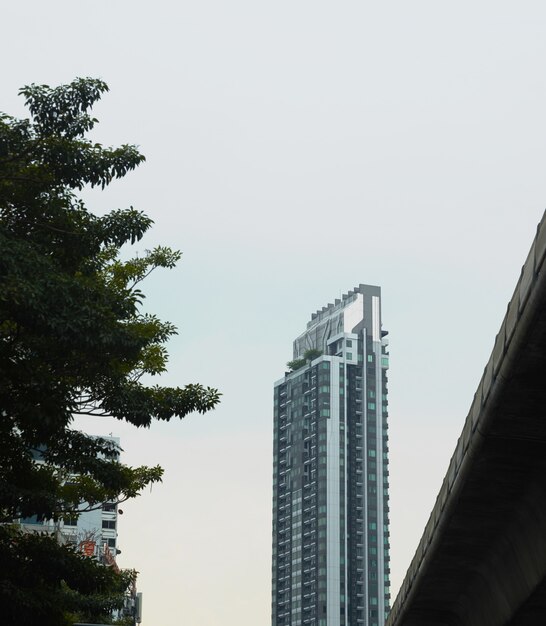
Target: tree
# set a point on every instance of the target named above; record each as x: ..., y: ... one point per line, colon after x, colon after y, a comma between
x: 73, y: 340
x: 308, y: 355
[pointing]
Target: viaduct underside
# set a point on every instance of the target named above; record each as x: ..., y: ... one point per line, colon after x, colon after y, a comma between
x: 482, y: 558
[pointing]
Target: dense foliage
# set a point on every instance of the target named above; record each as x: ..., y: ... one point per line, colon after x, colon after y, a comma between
x: 73, y: 340
x: 308, y: 355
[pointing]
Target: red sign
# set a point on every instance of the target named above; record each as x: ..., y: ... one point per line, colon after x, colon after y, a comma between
x: 109, y: 558
x: 88, y: 547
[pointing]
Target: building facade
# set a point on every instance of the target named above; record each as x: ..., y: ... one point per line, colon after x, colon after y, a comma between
x: 330, y: 562
x: 94, y: 532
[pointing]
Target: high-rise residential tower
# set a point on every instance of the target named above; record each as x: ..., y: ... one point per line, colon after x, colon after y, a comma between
x: 330, y: 470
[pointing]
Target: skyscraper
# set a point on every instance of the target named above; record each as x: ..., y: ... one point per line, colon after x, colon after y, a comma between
x: 330, y: 470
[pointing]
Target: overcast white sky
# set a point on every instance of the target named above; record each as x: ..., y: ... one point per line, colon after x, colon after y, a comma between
x: 295, y: 149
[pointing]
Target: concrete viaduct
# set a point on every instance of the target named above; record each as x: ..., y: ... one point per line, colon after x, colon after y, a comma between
x: 482, y: 558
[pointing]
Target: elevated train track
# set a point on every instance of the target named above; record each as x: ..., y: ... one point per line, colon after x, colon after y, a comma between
x: 482, y: 558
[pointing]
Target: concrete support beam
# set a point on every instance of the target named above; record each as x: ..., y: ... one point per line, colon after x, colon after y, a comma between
x: 482, y: 558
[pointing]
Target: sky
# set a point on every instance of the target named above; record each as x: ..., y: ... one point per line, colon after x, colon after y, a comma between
x: 294, y: 150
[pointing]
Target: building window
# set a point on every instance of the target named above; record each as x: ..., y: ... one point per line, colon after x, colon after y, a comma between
x: 108, y: 506
x: 109, y: 523
x: 111, y: 543
x: 349, y: 343
x: 350, y: 356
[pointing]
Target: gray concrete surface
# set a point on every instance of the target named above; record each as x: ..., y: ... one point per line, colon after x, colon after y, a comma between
x: 482, y: 558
